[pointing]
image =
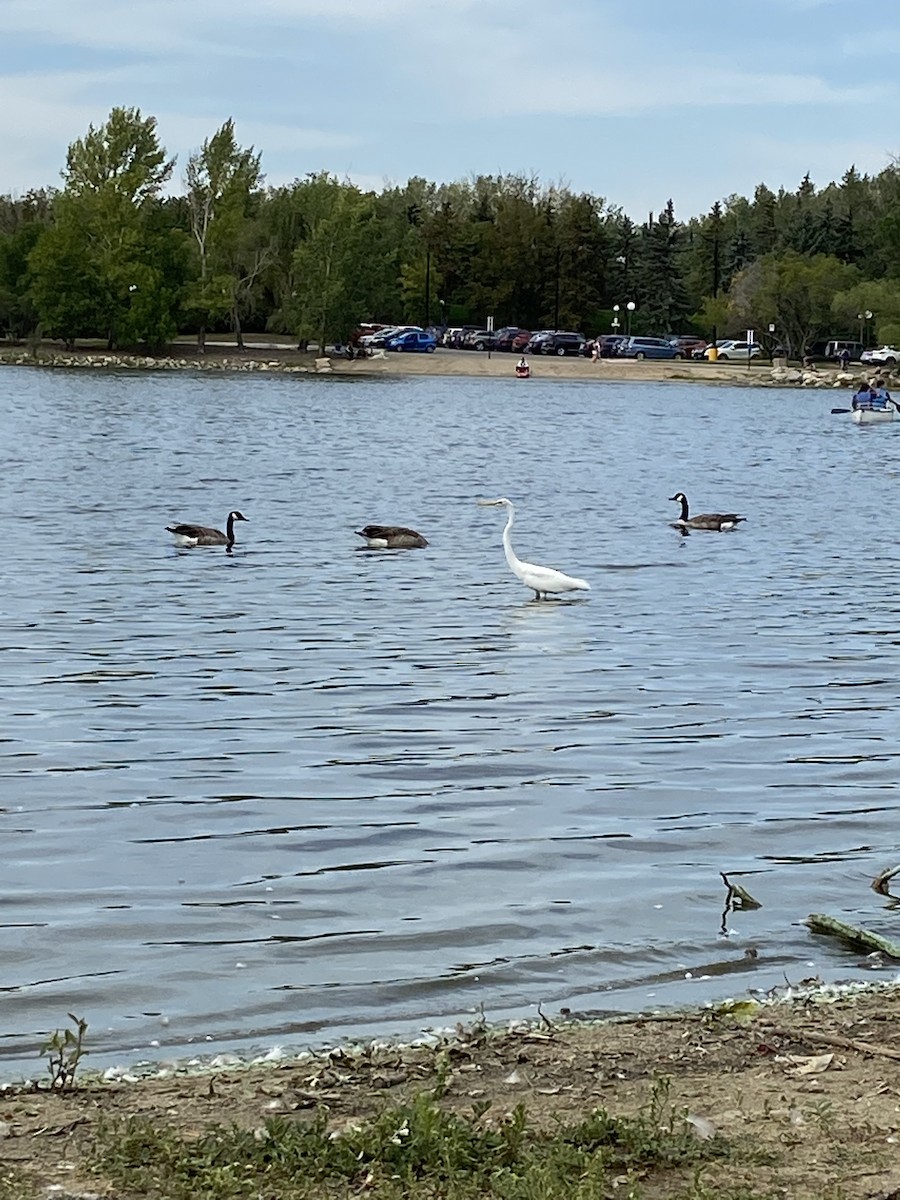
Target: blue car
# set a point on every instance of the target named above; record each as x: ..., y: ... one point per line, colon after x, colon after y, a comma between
x: 423, y: 342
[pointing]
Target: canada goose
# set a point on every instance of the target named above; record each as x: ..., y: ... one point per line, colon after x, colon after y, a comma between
x: 716, y: 522
x: 203, y: 535
x: 543, y: 580
x: 391, y: 537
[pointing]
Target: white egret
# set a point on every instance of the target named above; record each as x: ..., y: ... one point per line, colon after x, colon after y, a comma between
x: 543, y: 580
x: 203, y: 535
x: 716, y: 522
x: 391, y: 537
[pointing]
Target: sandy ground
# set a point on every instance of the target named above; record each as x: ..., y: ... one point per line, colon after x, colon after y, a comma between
x: 469, y: 362
x: 807, y: 1093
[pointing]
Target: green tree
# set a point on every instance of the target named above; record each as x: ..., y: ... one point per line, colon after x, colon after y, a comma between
x: 96, y: 270
x: 763, y: 224
x: 879, y: 297
x: 330, y: 295
x: 221, y: 181
x: 661, y: 293
x: 793, y: 292
x: 21, y: 223
x: 66, y: 288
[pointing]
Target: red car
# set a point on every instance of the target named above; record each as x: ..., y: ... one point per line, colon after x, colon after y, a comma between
x: 521, y: 340
x: 687, y: 343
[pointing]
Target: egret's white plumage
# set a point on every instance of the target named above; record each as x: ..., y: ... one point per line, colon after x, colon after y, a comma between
x: 543, y: 580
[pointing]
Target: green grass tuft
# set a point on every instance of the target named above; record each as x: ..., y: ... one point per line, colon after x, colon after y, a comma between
x: 417, y: 1151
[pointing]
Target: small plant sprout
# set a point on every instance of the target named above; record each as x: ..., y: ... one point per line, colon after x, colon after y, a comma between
x: 64, y: 1051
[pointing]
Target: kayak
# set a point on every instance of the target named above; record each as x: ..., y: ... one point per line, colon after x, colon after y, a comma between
x: 871, y: 416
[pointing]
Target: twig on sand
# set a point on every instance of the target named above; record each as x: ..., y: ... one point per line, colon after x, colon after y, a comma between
x: 838, y: 1040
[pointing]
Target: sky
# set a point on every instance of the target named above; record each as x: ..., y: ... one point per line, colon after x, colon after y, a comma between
x: 636, y: 102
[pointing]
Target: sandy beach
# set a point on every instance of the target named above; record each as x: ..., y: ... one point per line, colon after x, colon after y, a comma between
x: 502, y: 366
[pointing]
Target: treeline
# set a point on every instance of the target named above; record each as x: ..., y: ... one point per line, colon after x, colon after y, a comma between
x: 110, y: 255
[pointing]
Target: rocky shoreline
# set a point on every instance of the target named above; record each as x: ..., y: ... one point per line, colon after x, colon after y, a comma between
x: 271, y: 358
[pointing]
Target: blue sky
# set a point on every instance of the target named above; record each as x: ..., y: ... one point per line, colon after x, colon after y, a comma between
x: 636, y: 102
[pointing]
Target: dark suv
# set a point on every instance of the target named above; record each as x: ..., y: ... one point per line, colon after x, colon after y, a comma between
x: 562, y: 343
x: 607, y: 343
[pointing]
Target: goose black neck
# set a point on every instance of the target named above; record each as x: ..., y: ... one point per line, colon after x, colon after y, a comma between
x: 684, y: 508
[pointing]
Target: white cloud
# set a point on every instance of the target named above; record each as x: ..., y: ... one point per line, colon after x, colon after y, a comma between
x: 321, y: 84
x: 143, y: 27
x: 527, y: 76
x: 53, y: 110
x: 784, y: 163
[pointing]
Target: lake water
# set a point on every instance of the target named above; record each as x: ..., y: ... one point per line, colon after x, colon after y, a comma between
x: 301, y: 793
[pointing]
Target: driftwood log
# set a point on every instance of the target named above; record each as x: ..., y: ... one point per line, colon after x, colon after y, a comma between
x: 862, y: 939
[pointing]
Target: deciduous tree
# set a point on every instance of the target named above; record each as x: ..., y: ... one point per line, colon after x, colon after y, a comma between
x: 96, y: 269
x: 222, y: 179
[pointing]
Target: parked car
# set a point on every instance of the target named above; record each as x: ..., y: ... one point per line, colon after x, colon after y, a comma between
x: 504, y: 338
x: 687, y: 343
x: 478, y: 339
x: 701, y: 351
x: 523, y: 338
x: 536, y: 341
x: 368, y: 339
x: 648, y: 347
x: 734, y: 349
x: 383, y: 336
x: 455, y: 337
x: 365, y: 329
x: 835, y: 348
x: 464, y: 338
x: 413, y: 339
x: 562, y: 342
x: 884, y: 356
x: 610, y: 344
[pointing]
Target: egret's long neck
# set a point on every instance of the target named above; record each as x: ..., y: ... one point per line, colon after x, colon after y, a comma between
x: 507, y: 544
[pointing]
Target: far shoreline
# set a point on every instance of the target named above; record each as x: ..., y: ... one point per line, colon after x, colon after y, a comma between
x: 275, y: 357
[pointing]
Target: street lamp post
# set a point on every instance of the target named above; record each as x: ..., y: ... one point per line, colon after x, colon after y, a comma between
x: 629, y: 309
x: 615, y: 320
x: 427, y: 287
x: 556, y: 290
x: 864, y: 318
